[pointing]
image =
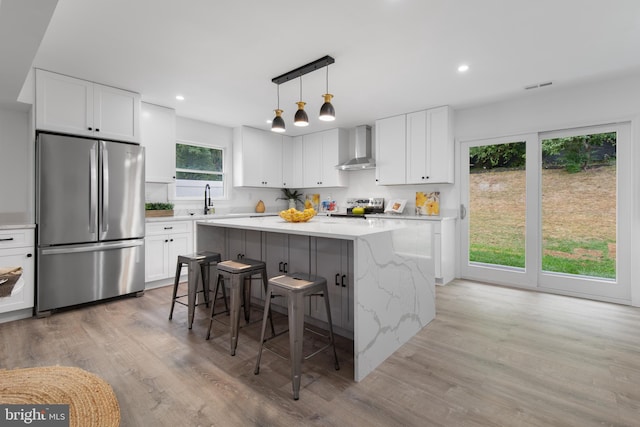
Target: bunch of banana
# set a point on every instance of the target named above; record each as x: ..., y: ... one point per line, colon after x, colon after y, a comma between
x: 294, y: 215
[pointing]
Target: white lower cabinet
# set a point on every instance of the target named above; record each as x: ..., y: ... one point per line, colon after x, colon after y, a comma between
x: 164, y: 241
x: 16, y: 250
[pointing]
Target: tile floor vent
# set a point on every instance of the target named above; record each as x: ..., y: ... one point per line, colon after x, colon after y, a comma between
x: 538, y: 85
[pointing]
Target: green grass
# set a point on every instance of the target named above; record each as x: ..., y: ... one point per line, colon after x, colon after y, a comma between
x: 584, y: 258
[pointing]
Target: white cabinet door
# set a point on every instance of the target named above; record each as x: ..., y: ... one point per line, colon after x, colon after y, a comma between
x: 292, y: 170
x: 417, y: 148
x: 63, y: 104
x: 79, y: 107
x: 430, y: 147
x: 312, y: 157
x: 271, y: 160
x: 257, y: 158
x: 441, y: 145
x: 391, y: 150
x: 156, y: 250
x: 322, y: 151
x: 335, y: 145
x: 22, y: 294
x: 116, y: 113
x: 179, y: 244
x: 158, y: 136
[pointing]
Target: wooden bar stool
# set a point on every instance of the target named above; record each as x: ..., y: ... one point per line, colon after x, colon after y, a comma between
x: 240, y: 272
x: 295, y: 287
x: 199, y: 261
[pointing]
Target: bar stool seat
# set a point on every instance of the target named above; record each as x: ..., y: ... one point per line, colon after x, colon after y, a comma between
x: 295, y: 287
x: 197, y: 262
x: 240, y: 272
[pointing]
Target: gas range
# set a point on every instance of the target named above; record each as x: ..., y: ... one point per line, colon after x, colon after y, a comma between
x: 371, y: 205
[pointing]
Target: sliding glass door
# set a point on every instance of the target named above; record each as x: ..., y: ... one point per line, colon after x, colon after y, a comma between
x: 549, y: 211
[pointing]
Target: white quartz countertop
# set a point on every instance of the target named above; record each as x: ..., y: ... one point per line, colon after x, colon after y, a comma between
x: 319, y: 226
x: 199, y: 217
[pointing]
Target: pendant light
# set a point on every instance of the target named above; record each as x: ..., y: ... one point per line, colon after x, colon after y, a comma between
x: 277, y: 124
x: 327, y: 112
x: 301, y: 118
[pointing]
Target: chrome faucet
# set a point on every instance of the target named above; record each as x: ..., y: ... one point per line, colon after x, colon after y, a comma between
x: 207, y: 198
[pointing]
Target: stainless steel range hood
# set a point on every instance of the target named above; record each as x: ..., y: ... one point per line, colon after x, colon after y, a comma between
x: 362, y: 157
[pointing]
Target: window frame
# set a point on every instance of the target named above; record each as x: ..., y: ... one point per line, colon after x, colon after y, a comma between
x: 223, y: 173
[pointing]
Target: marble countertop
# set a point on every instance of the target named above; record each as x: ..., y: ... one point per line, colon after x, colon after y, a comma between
x: 199, y: 217
x: 319, y: 226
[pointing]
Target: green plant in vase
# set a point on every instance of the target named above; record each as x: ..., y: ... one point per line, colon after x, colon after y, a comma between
x: 293, y: 196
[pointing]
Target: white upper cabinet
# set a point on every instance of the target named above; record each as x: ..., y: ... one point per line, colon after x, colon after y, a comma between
x: 322, y: 151
x: 430, y: 148
x: 257, y: 158
x: 391, y: 150
x: 291, y: 162
x: 415, y: 148
x: 158, y: 136
x: 69, y: 105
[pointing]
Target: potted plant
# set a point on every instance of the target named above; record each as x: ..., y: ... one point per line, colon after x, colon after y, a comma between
x: 292, y: 196
x: 158, y: 209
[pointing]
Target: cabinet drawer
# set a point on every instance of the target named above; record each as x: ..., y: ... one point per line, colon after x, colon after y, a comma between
x: 155, y: 228
x: 16, y: 238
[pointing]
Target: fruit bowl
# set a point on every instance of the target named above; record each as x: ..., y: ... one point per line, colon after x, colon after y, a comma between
x: 294, y: 215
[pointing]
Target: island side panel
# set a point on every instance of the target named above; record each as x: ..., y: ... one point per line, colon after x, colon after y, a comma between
x: 212, y: 239
x: 394, y: 293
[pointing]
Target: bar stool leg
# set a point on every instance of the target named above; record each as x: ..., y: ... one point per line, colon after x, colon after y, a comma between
x: 246, y: 289
x: 175, y: 288
x: 296, y: 329
x: 267, y: 308
x: 191, y: 294
x: 325, y: 292
x: 204, y: 273
x: 265, y: 283
x: 236, y: 296
x: 213, y: 302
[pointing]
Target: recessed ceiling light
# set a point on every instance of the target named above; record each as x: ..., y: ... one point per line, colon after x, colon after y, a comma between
x: 180, y: 97
x: 463, y: 68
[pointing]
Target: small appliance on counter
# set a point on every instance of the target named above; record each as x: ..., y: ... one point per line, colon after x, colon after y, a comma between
x: 360, y: 206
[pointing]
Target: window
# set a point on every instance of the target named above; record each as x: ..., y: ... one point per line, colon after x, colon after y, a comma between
x: 197, y: 166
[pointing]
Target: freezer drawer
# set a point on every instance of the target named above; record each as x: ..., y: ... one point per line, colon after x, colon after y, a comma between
x: 84, y: 273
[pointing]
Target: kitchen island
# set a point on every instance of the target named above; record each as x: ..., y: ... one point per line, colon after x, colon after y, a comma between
x: 385, y: 271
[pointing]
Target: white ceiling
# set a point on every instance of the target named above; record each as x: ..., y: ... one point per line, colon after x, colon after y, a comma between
x: 392, y: 56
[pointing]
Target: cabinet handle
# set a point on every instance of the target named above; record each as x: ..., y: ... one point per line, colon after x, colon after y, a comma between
x: 168, y: 228
x: 337, y: 275
x: 29, y: 255
x: 286, y: 268
x: 89, y: 128
x: 166, y: 241
x: 6, y: 240
x: 97, y: 130
x: 342, y: 280
x: 171, y: 240
x: 280, y: 266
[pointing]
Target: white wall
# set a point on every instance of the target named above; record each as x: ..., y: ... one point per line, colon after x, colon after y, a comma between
x: 16, y: 167
x: 554, y: 108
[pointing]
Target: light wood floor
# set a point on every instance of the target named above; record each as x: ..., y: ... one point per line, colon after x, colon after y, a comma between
x: 492, y: 357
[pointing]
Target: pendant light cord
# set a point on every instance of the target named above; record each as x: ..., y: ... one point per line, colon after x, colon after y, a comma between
x: 327, y: 79
x: 300, y: 88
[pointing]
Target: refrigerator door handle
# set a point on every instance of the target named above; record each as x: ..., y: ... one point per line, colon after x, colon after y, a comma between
x: 93, y: 248
x: 105, y: 187
x: 93, y: 196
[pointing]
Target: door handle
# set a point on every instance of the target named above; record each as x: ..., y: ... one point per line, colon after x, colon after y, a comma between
x: 105, y: 187
x: 463, y: 211
x: 93, y: 197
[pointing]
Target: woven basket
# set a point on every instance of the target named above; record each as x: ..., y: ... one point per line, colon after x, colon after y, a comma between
x: 158, y: 213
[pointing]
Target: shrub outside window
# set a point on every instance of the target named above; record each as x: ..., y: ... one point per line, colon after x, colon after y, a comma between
x: 197, y: 166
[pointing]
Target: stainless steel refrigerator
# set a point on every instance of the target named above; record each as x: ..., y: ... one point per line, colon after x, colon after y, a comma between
x: 90, y: 220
